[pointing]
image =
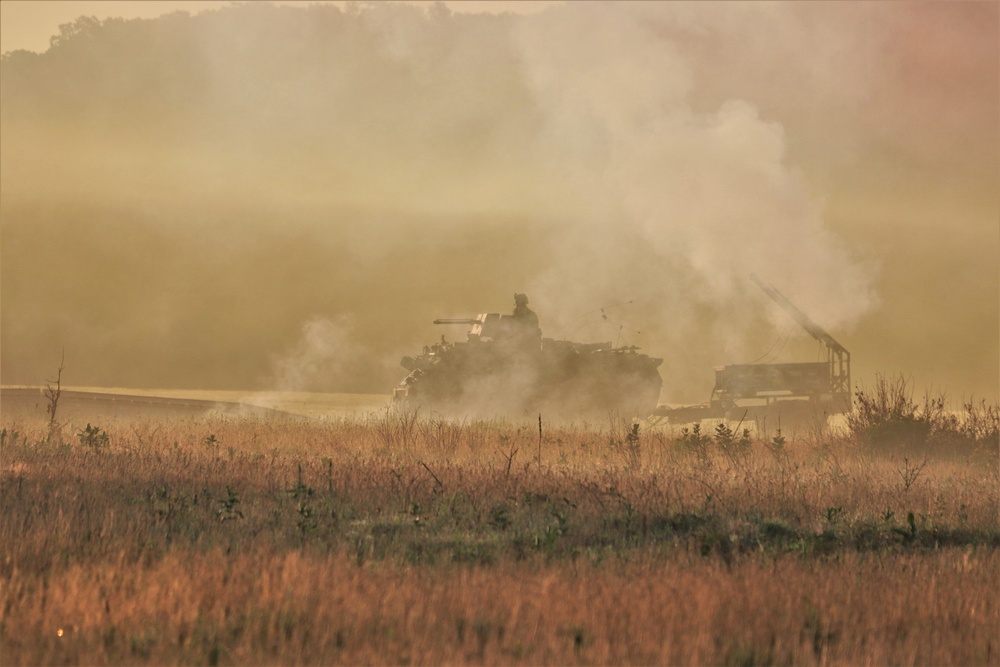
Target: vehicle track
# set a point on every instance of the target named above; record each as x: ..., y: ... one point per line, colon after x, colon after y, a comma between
x: 31, y: 401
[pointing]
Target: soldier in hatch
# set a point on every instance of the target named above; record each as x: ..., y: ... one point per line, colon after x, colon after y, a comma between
x: 525, y: 321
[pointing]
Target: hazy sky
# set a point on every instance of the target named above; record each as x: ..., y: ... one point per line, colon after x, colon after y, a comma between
x: 254, y: 197
x: 28, y: 24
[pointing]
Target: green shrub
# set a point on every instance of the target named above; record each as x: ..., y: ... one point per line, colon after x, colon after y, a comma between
x: 887, y: 419
x: 93, y: 437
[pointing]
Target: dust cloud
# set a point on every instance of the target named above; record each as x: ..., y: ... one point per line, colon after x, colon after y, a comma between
x: 268, y: 197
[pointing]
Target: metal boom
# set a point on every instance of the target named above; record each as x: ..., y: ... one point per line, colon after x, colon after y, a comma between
x: 837, y: 355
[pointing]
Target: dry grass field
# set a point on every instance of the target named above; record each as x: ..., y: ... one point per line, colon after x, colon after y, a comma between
x: 392, y: 538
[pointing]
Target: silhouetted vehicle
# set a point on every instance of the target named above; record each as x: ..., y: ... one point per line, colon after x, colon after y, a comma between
x: 505, y: 367
x: 798, y: 393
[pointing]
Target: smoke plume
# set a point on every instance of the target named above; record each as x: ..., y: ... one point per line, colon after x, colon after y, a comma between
x: 265, y: 197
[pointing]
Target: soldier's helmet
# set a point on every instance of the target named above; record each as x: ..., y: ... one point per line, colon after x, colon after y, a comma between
x: 521, y: 299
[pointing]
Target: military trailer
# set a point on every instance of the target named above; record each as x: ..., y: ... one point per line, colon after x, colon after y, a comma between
x: 793, y: 392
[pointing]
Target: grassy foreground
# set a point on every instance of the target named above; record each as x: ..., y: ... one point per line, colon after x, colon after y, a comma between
x: 391, y: 539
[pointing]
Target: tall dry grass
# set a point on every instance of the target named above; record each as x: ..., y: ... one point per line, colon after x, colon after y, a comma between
x: 266, y: 607
x: 393, y: 539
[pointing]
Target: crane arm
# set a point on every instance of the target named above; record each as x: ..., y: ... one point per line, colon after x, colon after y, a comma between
x: 811, y: 327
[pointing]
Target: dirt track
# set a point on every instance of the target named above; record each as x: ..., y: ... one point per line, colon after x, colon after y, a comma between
x: 24, y: 402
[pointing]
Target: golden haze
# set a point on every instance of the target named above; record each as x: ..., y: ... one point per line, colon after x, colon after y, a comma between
x: 285, y: 197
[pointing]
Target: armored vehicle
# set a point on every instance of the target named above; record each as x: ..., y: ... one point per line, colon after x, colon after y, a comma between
x: 803, y: 393
x: 505, y: 367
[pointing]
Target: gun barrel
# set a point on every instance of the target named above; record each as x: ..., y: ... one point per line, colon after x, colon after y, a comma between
x: 457, y: 321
